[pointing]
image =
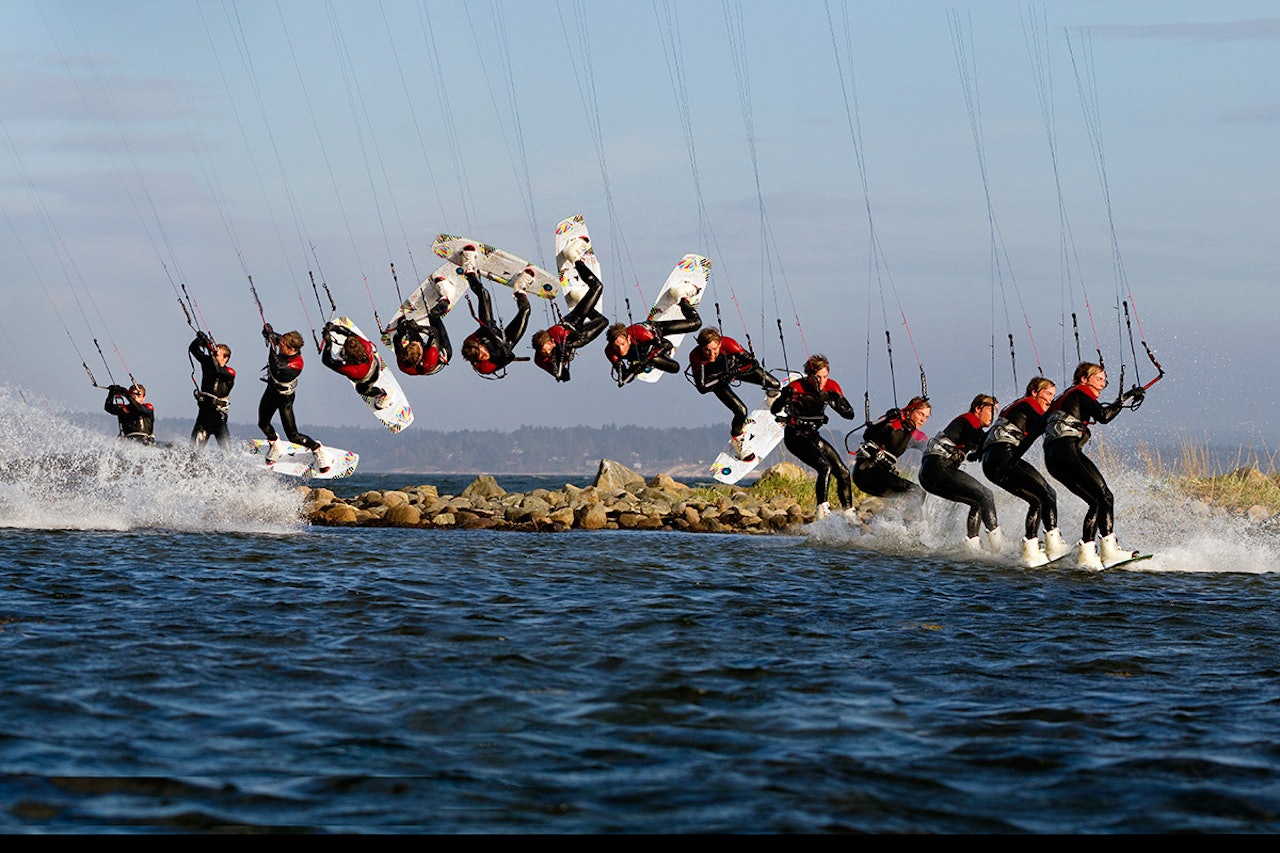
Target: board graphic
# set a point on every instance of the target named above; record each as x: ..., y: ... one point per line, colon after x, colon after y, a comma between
x: 393, y: 410
x: 761, y: 435
x: 571, y: 284
x: 298, y: 461
x: 496, y: 265
x: 444, y: 283
x: 689, y: 278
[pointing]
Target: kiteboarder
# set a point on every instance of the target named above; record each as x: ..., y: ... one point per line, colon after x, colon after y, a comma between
x: 940, y: 472
x: 875, y: 466
x: 1065, y: 433
x: 284, y: 366
x: 716, y: 364
x: 555, y: 347
x: 213, y: 397
x: 137, y: 417
x: 422, y: 350
x: 491, y: 348
x: 804, y: 402
x: 1008, y: 440
x: 643, y: 346
x: 347, y: 353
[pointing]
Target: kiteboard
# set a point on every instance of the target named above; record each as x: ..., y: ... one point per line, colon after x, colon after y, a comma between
x: 496, y: 265
x: 1137, y: 558
x: 393, y: 410
x: 691, y: 274
x: 760, y: 436
x: 571, y: 284
x: 446, y: 283
x: 298, y: 461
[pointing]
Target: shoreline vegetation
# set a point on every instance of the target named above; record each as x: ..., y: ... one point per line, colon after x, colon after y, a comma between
x: 781, y: 500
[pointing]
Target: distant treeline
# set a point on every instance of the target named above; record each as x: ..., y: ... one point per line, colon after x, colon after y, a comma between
x: 527, y: 450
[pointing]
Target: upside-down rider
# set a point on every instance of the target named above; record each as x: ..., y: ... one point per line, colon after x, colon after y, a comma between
x: 555, y: 347
x: 490, y: 348
x: 644, y: 346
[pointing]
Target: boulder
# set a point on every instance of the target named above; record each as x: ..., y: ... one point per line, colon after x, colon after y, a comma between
x: 484, y: 486
x: 612, y: 476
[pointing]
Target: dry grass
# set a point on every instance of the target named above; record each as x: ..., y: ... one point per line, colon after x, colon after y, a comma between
x: 1250, y: 479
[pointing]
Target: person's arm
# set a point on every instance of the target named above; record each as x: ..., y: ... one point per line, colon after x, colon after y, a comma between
x: 840, y: 404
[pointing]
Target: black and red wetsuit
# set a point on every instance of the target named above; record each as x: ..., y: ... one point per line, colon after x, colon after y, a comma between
x: 805, y: 408
x: 137, y: 420
x: 718, y: 376
x: 940, y: 472
x: 498, y: 341
x: 1008, y: 440
x: 576, y: 329
x: 282, y: 381
x: 875, y: 467
x: 213, y: 398
x: 434, y: 340
x: 650, y: 349
x: 1066, y: 431
x: 364, y: 372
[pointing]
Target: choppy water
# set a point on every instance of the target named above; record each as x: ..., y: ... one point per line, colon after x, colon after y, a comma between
x: 180, y: 655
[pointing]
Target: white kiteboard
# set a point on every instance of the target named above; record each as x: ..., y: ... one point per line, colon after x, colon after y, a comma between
x: 446, y: 283
x: 571, y: 284
x: 496, y: 265
x: 692, y: 273
x: 760, y: 436
x: 394, y: 411
x: 299, y: 461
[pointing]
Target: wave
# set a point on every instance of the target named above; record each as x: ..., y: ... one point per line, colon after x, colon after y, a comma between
x: 56, y: 475
x: 1151, y: 516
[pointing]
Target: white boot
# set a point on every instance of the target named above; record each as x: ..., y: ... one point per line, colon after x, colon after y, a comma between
x: 1110, y: 553
x: 824, y: 509
x: 322, y: 463
x: 1054, y: 546
x: 972, y: 545
x: 468, y: 254
x: 520, y: 281
x: 1032, y: 554
x: 275, y: 449
x: 1088, y: 556
x: 683, y: 290
x: 995, y: 540
x: 573, y: 251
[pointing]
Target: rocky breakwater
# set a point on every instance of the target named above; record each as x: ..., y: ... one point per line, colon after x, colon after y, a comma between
x: 617, y: 499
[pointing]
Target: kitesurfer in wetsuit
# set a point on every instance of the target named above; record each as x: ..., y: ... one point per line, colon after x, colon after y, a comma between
x: 1008, y: 440
x: 137, y: 417
x: 422, y: 350
x: 875, y: 466
x: 641, y: 347
x: 804, y: 402
x: 355, y: 359
x: 941, y: 475
x: 491, y: 348
x: 213, y: 397
x: 555, y: 347
x: 1065, y: 433
x: 718, y: 363
x: 284, y: 366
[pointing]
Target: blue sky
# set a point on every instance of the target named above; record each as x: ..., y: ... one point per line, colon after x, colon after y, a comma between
x: 149, y: 145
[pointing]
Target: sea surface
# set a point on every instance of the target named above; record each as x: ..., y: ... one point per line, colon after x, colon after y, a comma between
x: 180, y: 654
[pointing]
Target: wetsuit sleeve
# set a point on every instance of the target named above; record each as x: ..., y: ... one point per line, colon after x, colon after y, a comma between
x: 840, y: 405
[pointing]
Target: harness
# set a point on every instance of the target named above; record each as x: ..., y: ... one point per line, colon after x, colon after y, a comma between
x: 1063, y: 425
x: 221, y: 404
x: 871, y: 454
x: 942, y: 446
